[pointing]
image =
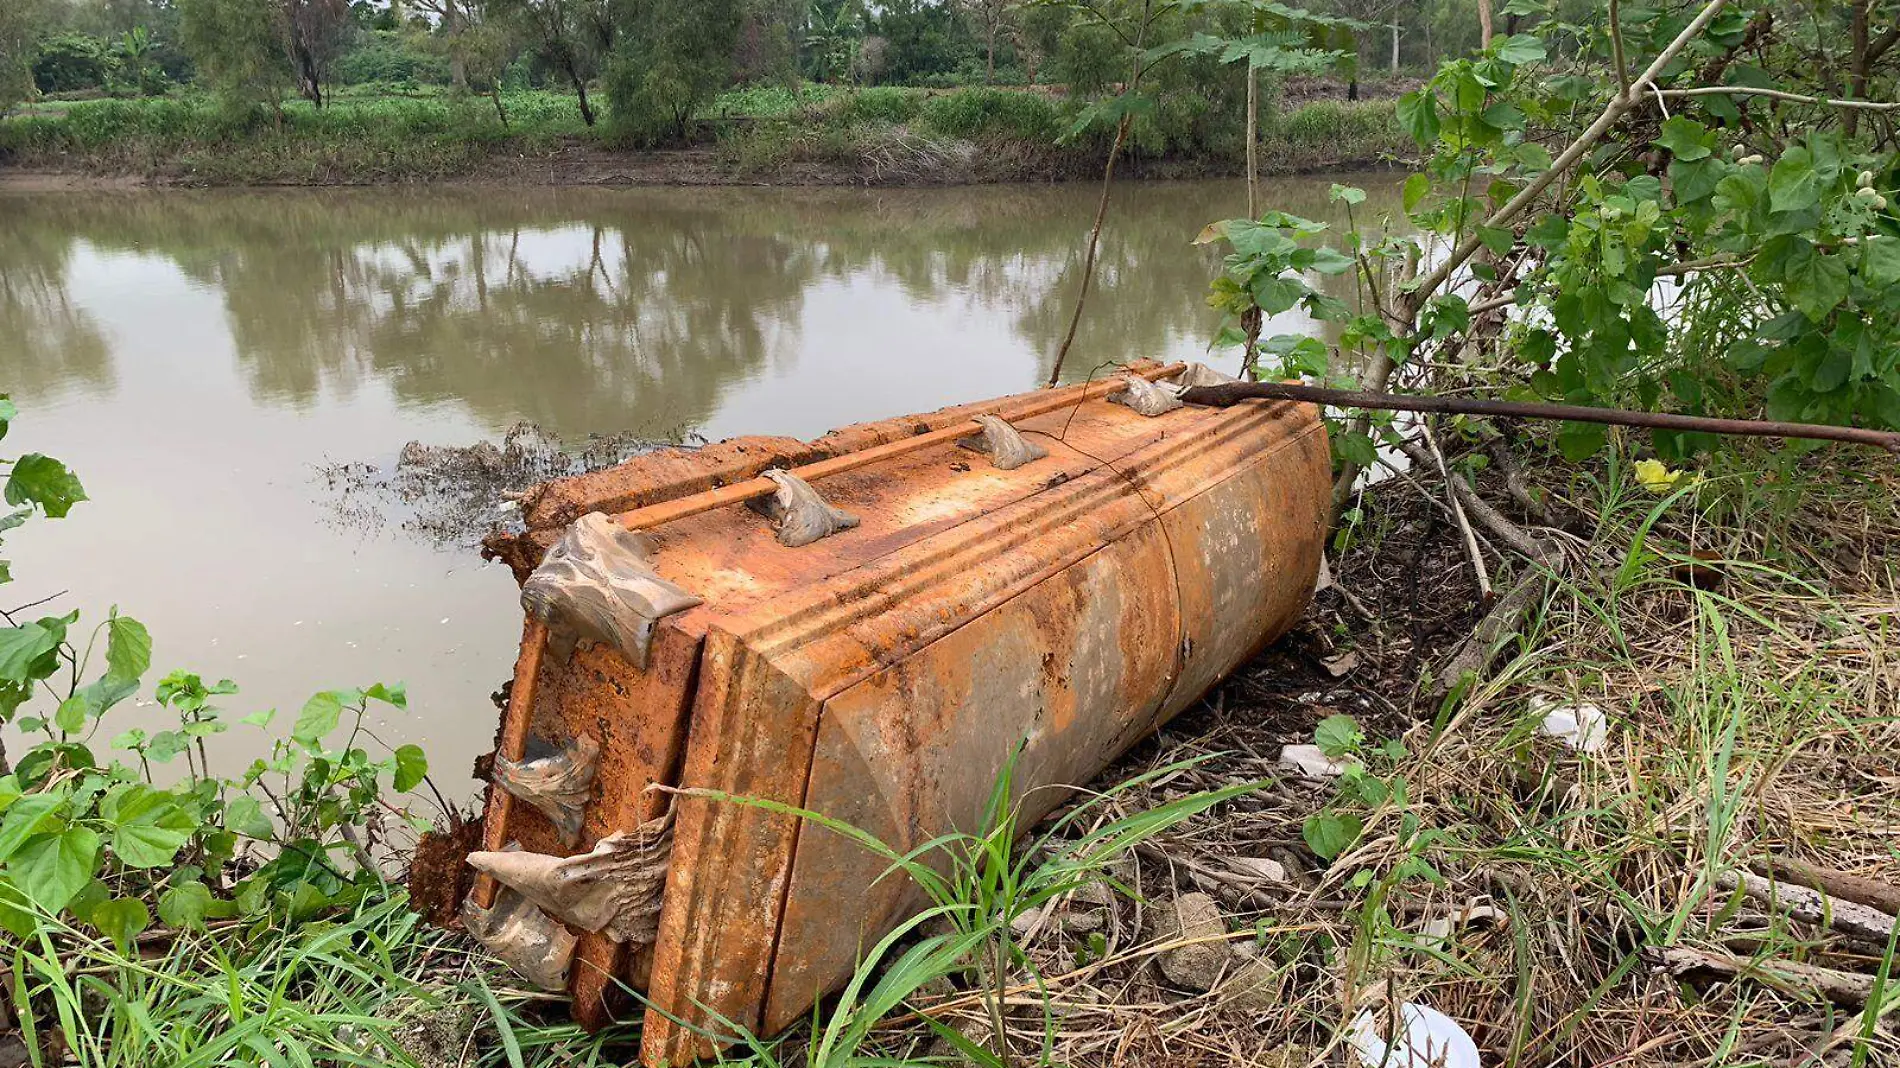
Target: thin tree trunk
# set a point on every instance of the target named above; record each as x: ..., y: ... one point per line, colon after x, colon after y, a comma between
x: 1857, y: 74
x: 1253, y: 142
x: 1484, y: 23
x: 580, y: 90
x: 989, y: 63
x: 1108, y: 181
x: 494, y: 93
x: 458, y: 64
x: 1095, y: 240
x: 1395, y: 45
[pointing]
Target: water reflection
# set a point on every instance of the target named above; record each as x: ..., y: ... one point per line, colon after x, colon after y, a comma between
x: 193, y: 355
x: 596, y: 310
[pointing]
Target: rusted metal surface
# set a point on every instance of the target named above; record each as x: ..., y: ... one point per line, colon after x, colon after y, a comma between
x: 1070, y: 603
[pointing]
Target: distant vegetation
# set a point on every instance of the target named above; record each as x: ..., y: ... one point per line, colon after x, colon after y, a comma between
x: 220, y: 91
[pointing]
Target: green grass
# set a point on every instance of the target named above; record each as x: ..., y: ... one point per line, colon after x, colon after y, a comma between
x: 382, y: 133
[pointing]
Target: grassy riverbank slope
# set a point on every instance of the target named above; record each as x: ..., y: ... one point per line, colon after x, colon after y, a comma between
x: 816, y: 136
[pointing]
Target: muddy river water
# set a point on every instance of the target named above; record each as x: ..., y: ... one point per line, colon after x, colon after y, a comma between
x: 204, y: 360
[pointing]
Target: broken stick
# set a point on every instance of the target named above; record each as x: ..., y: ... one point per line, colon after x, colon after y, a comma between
x: 1231, y: 393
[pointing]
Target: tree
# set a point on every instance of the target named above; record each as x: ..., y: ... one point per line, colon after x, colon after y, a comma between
x: 314, y: 32
x: 570, y: 35
x: 673, y: 57
x: 238, y: 48
x: 19, y: 36
x: 832, y: 31
x: 990, y: 19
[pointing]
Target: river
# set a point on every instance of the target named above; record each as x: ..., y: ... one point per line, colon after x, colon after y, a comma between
x: 203, y: 360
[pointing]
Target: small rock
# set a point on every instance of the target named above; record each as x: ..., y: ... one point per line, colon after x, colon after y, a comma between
x: 1254, y: 988
x: 1192, y: 916
x: 1259, y: 868
x: 1312, y: 762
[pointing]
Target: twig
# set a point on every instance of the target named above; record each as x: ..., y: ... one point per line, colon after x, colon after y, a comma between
x: 1811, y: 906
x: 1481, y: 645
x: 1458, y: 514
x: 1223, y: 396
x: 1849, y: 989
x: 1778, y: 94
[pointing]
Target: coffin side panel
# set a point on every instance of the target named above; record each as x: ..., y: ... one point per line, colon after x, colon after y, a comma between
x: 1065, y: 669
x: 753, y: 728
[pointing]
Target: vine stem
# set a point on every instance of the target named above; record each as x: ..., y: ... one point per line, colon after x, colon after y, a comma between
x: 1223, y: 396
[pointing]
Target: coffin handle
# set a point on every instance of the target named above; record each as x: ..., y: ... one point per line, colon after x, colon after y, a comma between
x: 597, y: 585
x: 523, y: 937
x: 1006, y: 446
x: 1145, y: 397
x: 557, y: 786
x: 616, y: 889
x: 801, y: 514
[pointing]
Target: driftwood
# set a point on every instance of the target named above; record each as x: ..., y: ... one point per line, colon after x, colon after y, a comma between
x: 1812, y: 906
x: 1875, y: 893
x: 1847, y: 989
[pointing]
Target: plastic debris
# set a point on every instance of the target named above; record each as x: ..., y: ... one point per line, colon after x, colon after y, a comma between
x: 1581, y: 726
x: 1425, y: 1038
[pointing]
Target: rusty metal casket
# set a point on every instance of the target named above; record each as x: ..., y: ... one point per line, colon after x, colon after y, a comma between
x: 1065, y: 580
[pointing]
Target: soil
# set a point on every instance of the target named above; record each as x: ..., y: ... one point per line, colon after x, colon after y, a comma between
x: 454, y: 495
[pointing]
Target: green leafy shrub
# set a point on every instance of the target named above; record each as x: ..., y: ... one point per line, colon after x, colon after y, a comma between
x: 882, y: 104
x: 92, y: 840
x: 975, y: 113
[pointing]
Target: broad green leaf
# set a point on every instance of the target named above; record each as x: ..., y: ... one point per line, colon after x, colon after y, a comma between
x: 1338, y: 735
x: 1347, y: 193
x: 1418, y: 115
x: 51, y: 868
x: 1686, y: 138
x: 44, y: 481
x: 1793, y: 183
x: 24, y: 647
x: 121, y: 919
x: 27, y: 817
x: 1497, y: 239
x: 7, y: 413
x: 319, y: 717
x: 411, y: 766
x: 71, y: 716
x: 1518, y: 49
x: 128, y: 648
x: 148, y: 826
x: 246, y: 816
x: 166, y: 746
x: 396, y: 694
x: 1820, y: 287
x: 1694, y: 180
x: 1356, y: 448
x: 16, y: 913
x: 185, y: 906
x: 1580, y: 441
x: 1880, y: 260
x: 1831, y: 372
x: 1417, y: 187
x: 1331, y: 833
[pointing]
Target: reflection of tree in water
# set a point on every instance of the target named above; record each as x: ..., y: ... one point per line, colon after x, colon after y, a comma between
x: 47, y: 345
x: 661, y: 300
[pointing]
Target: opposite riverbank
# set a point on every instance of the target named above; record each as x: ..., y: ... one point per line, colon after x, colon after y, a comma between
x: 864, y: 137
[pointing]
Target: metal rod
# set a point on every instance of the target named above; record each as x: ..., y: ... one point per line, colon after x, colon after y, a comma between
x: 512, y: 745
x: 1223, y: 396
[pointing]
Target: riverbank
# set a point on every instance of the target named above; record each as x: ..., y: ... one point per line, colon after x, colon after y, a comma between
x: 869, y: 137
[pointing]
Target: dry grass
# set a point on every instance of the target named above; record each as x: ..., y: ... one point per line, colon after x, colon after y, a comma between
x: 1755, y: 717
